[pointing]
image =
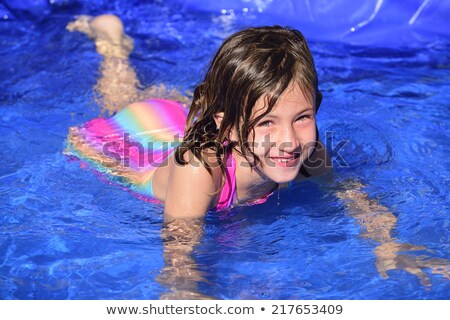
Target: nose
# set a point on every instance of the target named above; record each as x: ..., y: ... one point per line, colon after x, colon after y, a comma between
x: 288, y: 141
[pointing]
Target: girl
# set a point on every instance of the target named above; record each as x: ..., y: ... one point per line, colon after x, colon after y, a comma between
x: 251, y: 127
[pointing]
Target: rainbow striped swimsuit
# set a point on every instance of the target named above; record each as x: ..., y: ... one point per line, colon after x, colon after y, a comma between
x: 128, y: 147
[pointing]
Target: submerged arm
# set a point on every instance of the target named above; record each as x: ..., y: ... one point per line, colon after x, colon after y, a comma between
x: 377, y: 224
x: 180, y: 274
x: 376, y: 220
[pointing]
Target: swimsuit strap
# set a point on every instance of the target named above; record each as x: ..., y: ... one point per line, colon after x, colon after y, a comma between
x: 229, y: 189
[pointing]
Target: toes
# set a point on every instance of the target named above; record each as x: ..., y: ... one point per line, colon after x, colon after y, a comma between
x: 81, y: 23
x: 382, y: 270
x: 84, y: 18
x: 128, y: 42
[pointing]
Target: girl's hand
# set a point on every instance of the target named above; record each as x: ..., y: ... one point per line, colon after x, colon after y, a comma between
x: 395, y: 256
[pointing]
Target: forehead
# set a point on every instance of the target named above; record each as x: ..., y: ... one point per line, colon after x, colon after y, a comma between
x: 292, y: 99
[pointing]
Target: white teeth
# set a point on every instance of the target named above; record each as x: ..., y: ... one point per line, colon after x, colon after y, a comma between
x: 283, y: 160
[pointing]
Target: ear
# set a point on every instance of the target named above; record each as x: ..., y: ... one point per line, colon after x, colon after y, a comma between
x: 318, y: 100
x: 218, y: 117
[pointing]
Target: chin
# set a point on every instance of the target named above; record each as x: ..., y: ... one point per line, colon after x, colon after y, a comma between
x: 284, y: 180
x: 282, y: 173
x: 284, y: 177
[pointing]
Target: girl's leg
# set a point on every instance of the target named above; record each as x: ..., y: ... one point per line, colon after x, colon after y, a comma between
x: 118, y: 84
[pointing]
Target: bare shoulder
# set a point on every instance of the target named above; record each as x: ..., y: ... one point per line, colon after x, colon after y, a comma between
x: 192, y: 189
x: 318, y: 164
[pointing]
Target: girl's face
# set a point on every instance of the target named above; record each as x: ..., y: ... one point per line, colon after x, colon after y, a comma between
x: 284, y: 138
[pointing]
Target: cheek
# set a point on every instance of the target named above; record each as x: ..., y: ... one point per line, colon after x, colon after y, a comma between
x: 309, y: 139
x: 262, y: 142
x: 308, y: 134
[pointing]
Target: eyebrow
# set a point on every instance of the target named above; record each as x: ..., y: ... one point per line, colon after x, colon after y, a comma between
x: 297, y: 114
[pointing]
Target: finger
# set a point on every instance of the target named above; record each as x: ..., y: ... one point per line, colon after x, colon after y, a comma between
x: 382, y: 270
x: 444, y: 271
x: 410, y: 247
x: 423, y: 278
x: 437, y: 266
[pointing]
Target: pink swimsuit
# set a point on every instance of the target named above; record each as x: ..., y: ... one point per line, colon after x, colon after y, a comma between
x: 228, y: 194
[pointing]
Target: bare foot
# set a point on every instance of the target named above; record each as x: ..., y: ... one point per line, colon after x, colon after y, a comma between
x: 107, y: 33
x: 81, y: 24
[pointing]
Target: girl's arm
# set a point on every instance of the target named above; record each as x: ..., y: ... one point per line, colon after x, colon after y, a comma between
x: 377, y: 224
x: 191, y: 189
x: 377, y: 221
x: 191, y: 192
x: 180, y: 274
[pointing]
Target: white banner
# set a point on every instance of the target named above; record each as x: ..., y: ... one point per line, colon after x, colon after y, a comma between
x: 218, y: 309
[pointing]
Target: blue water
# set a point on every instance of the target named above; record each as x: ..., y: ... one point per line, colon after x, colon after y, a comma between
x: 64, y: 234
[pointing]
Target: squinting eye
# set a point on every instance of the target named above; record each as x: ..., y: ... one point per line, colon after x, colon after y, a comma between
x: 303, y: 118
x: 264, y: 124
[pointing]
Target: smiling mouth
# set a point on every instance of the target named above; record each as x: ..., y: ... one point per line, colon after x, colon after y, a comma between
x: 287, y: 158
x: 286, y: 161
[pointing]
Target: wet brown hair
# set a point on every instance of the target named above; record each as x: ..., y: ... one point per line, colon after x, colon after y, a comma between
x: 249, y: 64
